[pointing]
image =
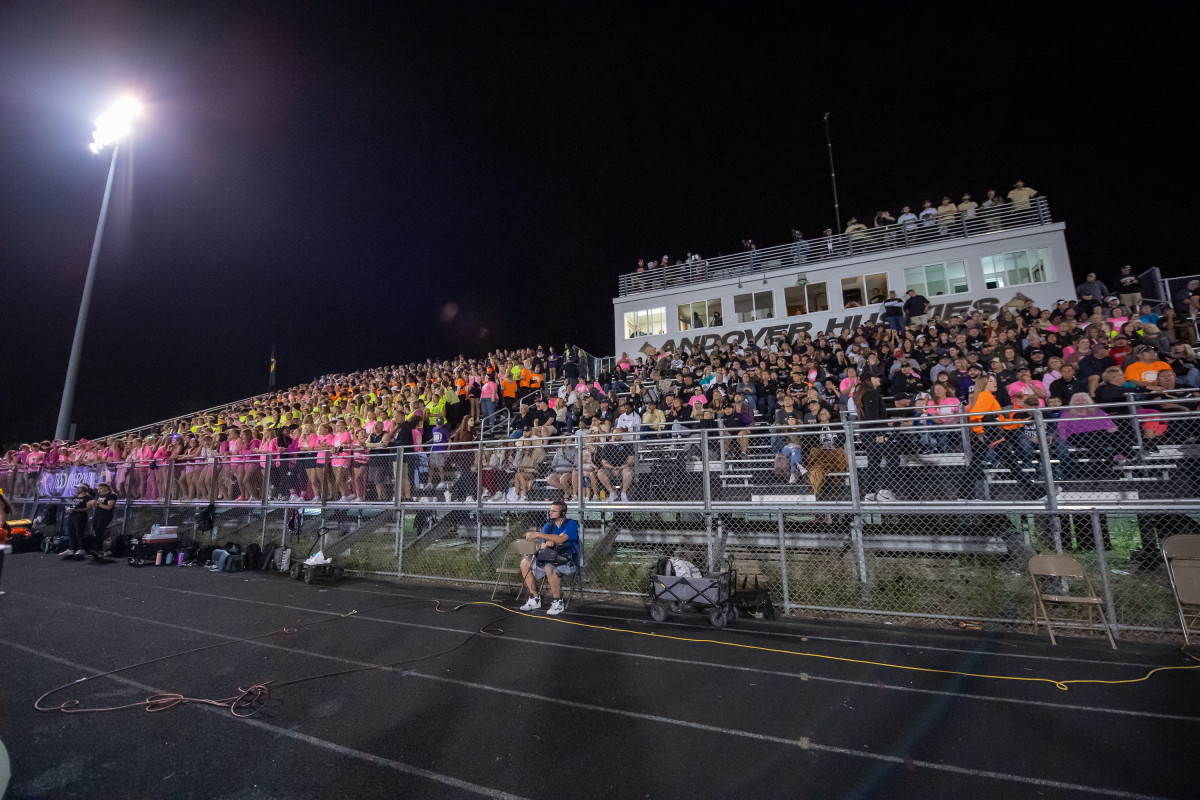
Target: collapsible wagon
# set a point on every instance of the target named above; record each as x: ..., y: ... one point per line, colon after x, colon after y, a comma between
x: 711, y: 593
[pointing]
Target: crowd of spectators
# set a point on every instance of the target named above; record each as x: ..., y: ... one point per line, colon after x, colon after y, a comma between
x: 319, y: 437
x: 947, y: 218
x: 907, y: 380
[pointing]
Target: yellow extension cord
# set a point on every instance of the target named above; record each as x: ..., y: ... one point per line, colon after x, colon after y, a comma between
x: 1063, y: 685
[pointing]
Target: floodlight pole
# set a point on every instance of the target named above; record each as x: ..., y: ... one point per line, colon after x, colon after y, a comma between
x: 64, y: 410
x: 833, y: 176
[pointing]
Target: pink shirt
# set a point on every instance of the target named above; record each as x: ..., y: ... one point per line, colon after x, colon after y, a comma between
x: 341, y: 440
x: 489, y: 390
x: 944, y: 407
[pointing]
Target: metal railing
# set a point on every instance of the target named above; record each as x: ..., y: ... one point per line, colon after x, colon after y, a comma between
x: 823, y: 251
x: 910, y: 521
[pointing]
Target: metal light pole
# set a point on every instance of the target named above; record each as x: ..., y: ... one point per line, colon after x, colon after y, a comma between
x: 833, y: 176
x: 110, y: 127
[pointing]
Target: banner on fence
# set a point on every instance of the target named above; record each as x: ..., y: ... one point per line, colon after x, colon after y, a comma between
x: 62, y: 482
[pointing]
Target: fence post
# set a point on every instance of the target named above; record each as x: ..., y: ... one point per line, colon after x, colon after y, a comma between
x: 856, y: 532
x: 125, y: 516
x: 1102, y: 562
x: 396, y: 476
x: 37, y: 490
x: 1137, y: 428
x: 704, y: 468
x: 167, y: 491
x: 783, y: 562
x: 266, y: 494
x: 582, y: 509
x: 1051, y: 489
x: 400, y: 543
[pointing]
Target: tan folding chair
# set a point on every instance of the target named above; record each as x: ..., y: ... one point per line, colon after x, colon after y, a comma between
x: 519, y: 549
x: 1064, y: 567
x: 1182, y: 554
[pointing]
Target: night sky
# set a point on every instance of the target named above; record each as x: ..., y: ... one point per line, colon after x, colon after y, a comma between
x: 341, y: 181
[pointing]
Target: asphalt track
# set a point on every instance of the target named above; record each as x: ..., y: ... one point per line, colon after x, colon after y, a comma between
x: 549, y: 709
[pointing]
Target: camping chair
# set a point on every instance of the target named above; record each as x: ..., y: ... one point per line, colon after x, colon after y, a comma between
x: 1182, y: 554
x: 569, y: 584
x: 1064, y: 567
x: 519, y: 548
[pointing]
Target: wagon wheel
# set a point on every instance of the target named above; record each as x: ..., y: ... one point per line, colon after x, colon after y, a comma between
x: 658, y: 611
x: 310, y: 574
x: 717, y: 617
x: 731, y: 614
x: 337, y: 573
x: 295, y: 571
x: 677, y: 607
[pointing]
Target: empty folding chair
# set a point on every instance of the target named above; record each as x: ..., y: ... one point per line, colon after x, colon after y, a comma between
x: 518, y: 549
x: 1182, y: 554
x: 1064, y: 567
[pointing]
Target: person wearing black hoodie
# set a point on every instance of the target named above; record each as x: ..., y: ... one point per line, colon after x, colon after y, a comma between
x: 872, y: 413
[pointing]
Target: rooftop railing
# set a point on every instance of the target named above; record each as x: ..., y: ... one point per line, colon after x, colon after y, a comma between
x: 809, y: 253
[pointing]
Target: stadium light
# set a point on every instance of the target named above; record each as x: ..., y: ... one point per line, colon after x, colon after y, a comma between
x: 115, y: 124
x: 111, y: 126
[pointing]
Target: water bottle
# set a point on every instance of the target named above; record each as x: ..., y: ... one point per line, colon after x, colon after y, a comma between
x: 158, y: 558
x: 180, y: 558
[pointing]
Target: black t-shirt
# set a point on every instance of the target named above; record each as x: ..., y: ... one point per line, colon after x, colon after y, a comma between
x: 78, y: 506
x: 1090, y: 365
x: 615, y: 454
x: 105, y: 512
x: 542, y: 416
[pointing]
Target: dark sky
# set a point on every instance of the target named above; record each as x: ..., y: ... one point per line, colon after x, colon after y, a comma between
x: 331, y: 179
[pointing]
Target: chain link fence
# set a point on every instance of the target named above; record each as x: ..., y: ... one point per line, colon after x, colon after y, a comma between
x: 914, y: 521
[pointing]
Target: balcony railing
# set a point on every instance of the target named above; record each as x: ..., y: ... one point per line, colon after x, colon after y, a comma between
x: 809, y: 253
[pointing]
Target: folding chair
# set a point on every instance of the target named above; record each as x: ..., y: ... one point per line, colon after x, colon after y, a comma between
x: 1182, y: 554
x: 1064, y: 567
x: 519, y: 548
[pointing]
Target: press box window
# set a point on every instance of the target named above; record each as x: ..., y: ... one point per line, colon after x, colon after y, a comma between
x: 806, y: 299
x: 700, y: 314
x: 645, y: 323
x: 864, y: 290
x: 1018, y: 268
x: 756, y: 306
x: 932, y: 280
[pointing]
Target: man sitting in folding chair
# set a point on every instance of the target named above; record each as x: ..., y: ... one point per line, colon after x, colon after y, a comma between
x: 557, y: 556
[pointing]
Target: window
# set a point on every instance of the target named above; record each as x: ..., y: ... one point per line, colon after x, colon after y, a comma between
x: 645, y: 323
x: 864, y: 290
x: 1017, y: 268
x: 932, y: 280
x: 700, y: 314
x: 751, y: 307
x: 806, y: 299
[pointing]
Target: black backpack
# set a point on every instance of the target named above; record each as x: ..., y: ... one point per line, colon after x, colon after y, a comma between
x: 268, y: 556
x: 233, y: 548
x: 253, y: 557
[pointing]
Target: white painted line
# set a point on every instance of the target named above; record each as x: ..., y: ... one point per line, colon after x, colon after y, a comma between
x: 621, y: 653
x: 398, y: 766
x: 524, y: 695
x: 805, y: 744
x: 757, y: 631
